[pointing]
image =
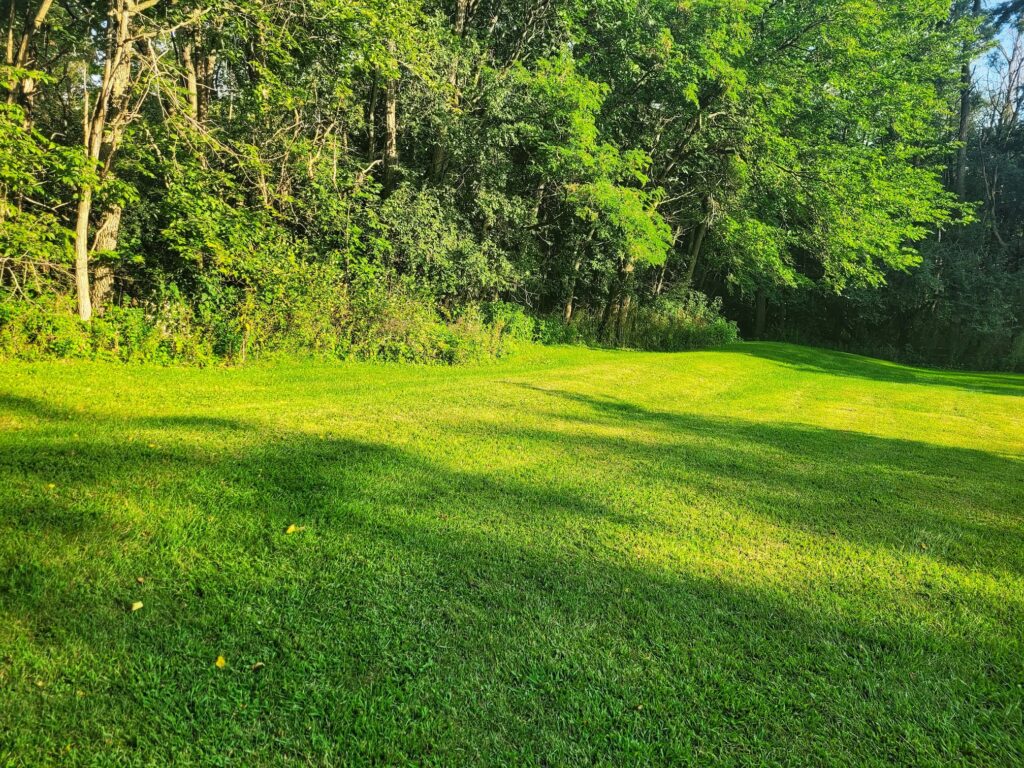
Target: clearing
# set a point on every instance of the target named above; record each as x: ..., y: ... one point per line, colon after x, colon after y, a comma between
x: 765, y: 555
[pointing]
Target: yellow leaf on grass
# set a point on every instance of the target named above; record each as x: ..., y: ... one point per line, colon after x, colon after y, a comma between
x: 221, y: 662
x: 137, y: 605
x: 293, y: 528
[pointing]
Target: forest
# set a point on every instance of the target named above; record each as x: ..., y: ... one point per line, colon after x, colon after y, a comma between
x: 194, y: 180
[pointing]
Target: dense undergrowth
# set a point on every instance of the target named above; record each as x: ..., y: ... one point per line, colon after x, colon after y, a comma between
x: 313, y: 310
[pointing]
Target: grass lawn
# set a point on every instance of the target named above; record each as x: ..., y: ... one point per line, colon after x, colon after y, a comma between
x: 768, y: 555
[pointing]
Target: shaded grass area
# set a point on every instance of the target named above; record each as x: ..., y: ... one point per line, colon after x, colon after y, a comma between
x: 580, y: 557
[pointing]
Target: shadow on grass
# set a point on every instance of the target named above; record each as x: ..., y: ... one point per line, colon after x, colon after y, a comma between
x: 957, y: 505
x: 835, y: 363
x: 464, y: 616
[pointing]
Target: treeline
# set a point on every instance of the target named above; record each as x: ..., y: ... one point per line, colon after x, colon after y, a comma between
x: 434, y: 181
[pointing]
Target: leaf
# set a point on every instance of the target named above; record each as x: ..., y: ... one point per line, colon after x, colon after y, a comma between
x: 221, y: 662
x: 257, y: 666
x: 293, y: 528
x: 136, y: 606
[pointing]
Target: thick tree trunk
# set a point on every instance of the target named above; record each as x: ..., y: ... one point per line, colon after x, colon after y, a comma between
x: 606, y: 316
x: 103, y: 274
x: 188, y: 61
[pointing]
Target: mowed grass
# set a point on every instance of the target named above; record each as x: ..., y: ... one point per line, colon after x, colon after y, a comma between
x: 768, y: 555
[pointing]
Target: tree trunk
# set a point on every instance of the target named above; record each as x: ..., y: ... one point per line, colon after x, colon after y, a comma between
x: 371, y: 121
x: 606, y: 316
x: 570, y: 298
x: 439, y: 158
x: 626, y: 296
x: 966, y: 78
x: 621, y: 318
x: 82, y: 253
x: 21, y: 58
x: 391, y: 128
x: 760, y: 312
x: 698, y: 241
x: 105, y: 241
x: 103, y: 128
x: 188, y: 60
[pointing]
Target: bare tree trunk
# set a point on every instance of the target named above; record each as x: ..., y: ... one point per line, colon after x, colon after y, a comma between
x: 371, y: 121
x: 439, y: 158
x: 390, y: 128
x: 82, y: 253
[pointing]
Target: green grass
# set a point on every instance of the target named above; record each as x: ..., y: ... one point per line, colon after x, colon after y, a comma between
x: 768, y: 555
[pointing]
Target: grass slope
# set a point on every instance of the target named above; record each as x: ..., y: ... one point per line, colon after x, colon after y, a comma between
x: 768, y: 555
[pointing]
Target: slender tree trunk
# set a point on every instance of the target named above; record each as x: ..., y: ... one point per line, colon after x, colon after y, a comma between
x: 625, y: 300
x: 390, y: 128
x: 439, y: 158
x: 571, y: 297
x: 760, y: 313
x: 698, y: 240
x: 82, y: 253
x: 20, y: 58
x: 371, y: 121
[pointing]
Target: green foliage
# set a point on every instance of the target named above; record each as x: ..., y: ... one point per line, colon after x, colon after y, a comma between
x: 587, y: 155
x: 682, y: 321
x: 47, y: 328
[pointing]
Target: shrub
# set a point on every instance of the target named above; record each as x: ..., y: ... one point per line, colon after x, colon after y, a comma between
x: 676, y: 322
x: 681, y: 321
x: 366, y: 312
x: 47, y: 327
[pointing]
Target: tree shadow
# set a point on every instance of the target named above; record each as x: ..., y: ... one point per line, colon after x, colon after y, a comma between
x: 960, y: 506
x: 443, y: 614
x: 816, y: 360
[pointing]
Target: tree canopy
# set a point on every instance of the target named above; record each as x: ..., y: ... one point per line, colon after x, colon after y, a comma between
x: 580, y: 159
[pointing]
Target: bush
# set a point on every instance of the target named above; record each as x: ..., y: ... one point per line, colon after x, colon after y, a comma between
x: 366, y: 312
x: 681, y: 321
x: 676, y: 322
x: 47, y: 327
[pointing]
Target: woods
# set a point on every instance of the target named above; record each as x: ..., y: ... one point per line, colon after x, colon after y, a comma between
x: 403, y: 180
